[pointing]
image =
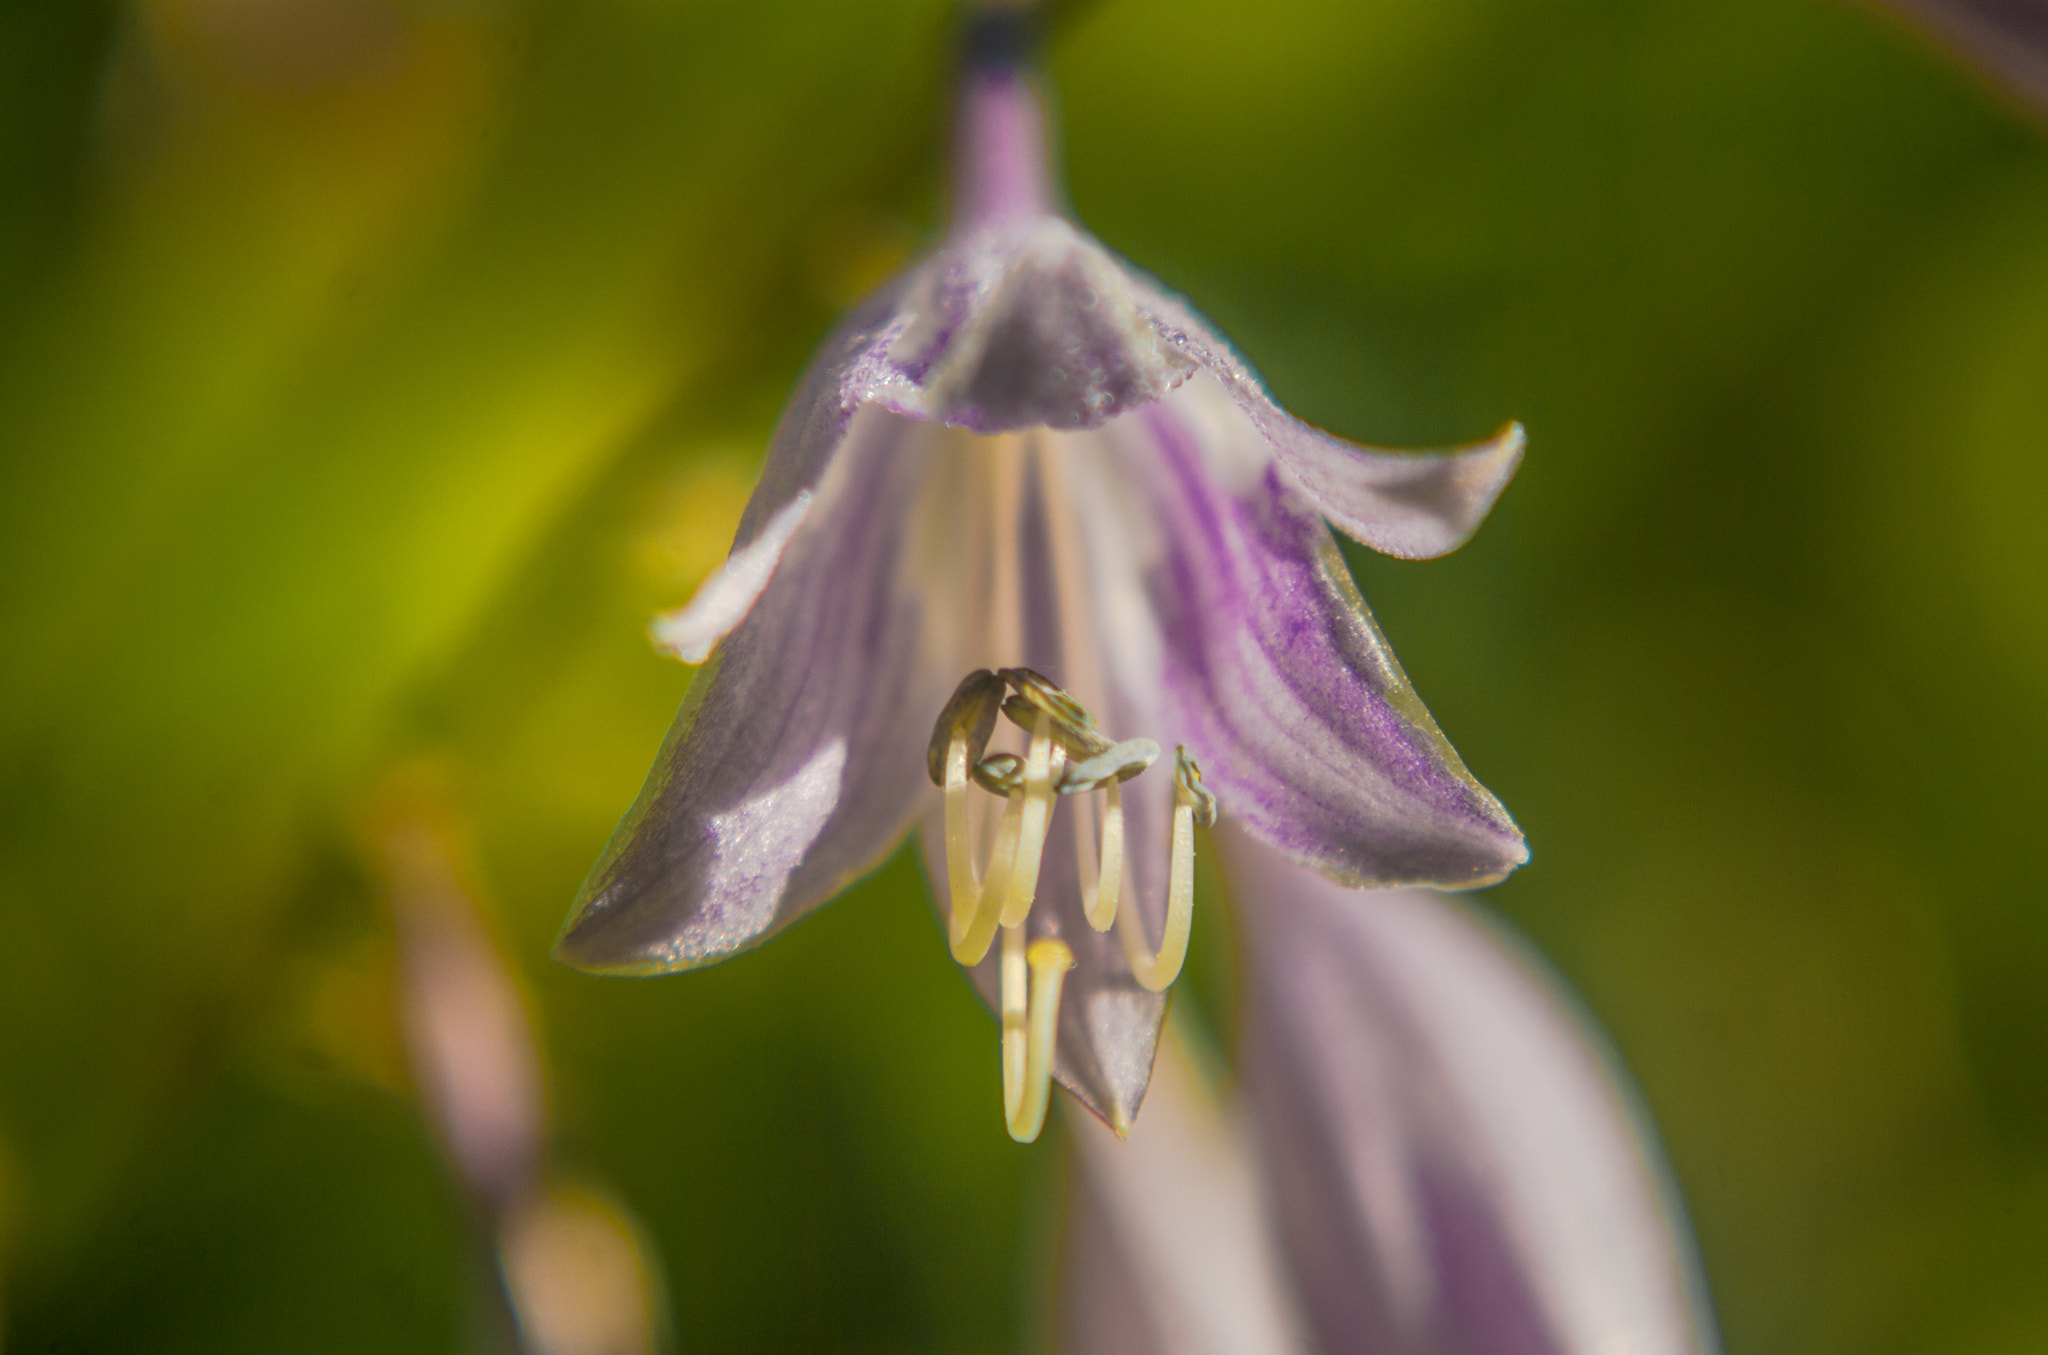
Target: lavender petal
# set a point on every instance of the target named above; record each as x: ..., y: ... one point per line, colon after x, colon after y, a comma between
x: 1277, y: 678
x: 1168, y: 1250
x: 1453, y: 1160
x: 1416, y: 505
x: 797, y: 760
x: 1022, y: 323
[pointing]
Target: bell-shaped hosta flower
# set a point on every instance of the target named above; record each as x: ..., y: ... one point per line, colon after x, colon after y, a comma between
x: 1426, y: 1145
x: 1023, y: 472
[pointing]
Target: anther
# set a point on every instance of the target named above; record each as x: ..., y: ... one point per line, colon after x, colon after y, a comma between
x: 1037, y: 696
x: 1048, y: 696
x: 969, y: 712
x: 999, y: 773
x: 1187, y: 784
x: 1120, y: 762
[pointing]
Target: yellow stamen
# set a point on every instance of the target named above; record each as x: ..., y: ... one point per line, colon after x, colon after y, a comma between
x: 1028, y: 1042
x: 972, y: 925
x: 1006, y: 892
x: 1099, y: 896
x: 1043, y: 762
x: 1031, y: 976
x: 1155, y: 971
x: 1012, y: 1013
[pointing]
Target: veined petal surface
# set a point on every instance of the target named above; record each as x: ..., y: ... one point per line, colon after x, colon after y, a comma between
x: 1021, y: 323
x: 1276, y: 676
x: 1416, y: 505
x: 1454, y: 1165
x: 797, y: 761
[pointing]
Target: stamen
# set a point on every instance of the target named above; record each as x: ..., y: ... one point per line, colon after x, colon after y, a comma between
x: 1044, y: 760
x: 962, y: 731
x: 1014, y: 995
x: 1006, y: 576
x: 972, y: 925
x: 1099, y: 900
x: 1071, y: 724
x: 1000, y: 773
x: 1120, y: 762
x: 1099, y: 873
x: 970, y: 710
x: 1064, y: 754
x: 1102, y: 888
x: 1192, y: 804
x: 1030, y: 1039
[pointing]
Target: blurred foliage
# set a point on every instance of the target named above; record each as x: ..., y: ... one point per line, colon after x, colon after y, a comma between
x: 369, y: 371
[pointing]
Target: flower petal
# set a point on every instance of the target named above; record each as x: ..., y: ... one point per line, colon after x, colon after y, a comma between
x: 1168, y: 1248
x: 1416, y: 505
x: 1021, y: 324
x: 1453, y: 1160
x: 1277, y: 678
x: 722, y: 601
x: 797, y: 760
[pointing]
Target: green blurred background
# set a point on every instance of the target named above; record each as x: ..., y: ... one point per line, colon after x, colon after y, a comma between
x: 370, y: 371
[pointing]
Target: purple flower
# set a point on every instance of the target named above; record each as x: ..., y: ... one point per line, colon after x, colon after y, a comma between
x: 1429, y: 1153
x: 1027, y: 492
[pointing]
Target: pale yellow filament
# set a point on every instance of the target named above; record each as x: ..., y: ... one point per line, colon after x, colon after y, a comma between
x: 1003, y: 638
x: 1006, y: 583
x: 1030, y: 1032
x: 1156, y: 971
x: 1012, y: 877
x: 972, y: 925
x: 1013, y: 993
x: 1078, y: 653
x: 1100, y: 895
x: 1043, y: 761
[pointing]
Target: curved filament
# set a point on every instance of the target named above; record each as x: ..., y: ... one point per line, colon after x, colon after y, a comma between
x: 1030, y: 1027
x: 1099, y: 898
x: 1156, y: 970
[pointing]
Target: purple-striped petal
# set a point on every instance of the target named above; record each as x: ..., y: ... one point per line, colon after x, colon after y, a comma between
x: 1276, y: 676
x: 1167, y: 1248
x: 797, y: 760
x: 1021, y: 323
x: 1453, y: 1161
x: 1416, y: 505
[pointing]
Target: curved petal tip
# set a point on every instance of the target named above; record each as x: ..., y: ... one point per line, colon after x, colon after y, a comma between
x: 1413, y: 505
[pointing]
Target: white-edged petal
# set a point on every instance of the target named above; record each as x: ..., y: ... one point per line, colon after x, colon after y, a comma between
x: 723, y: 600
